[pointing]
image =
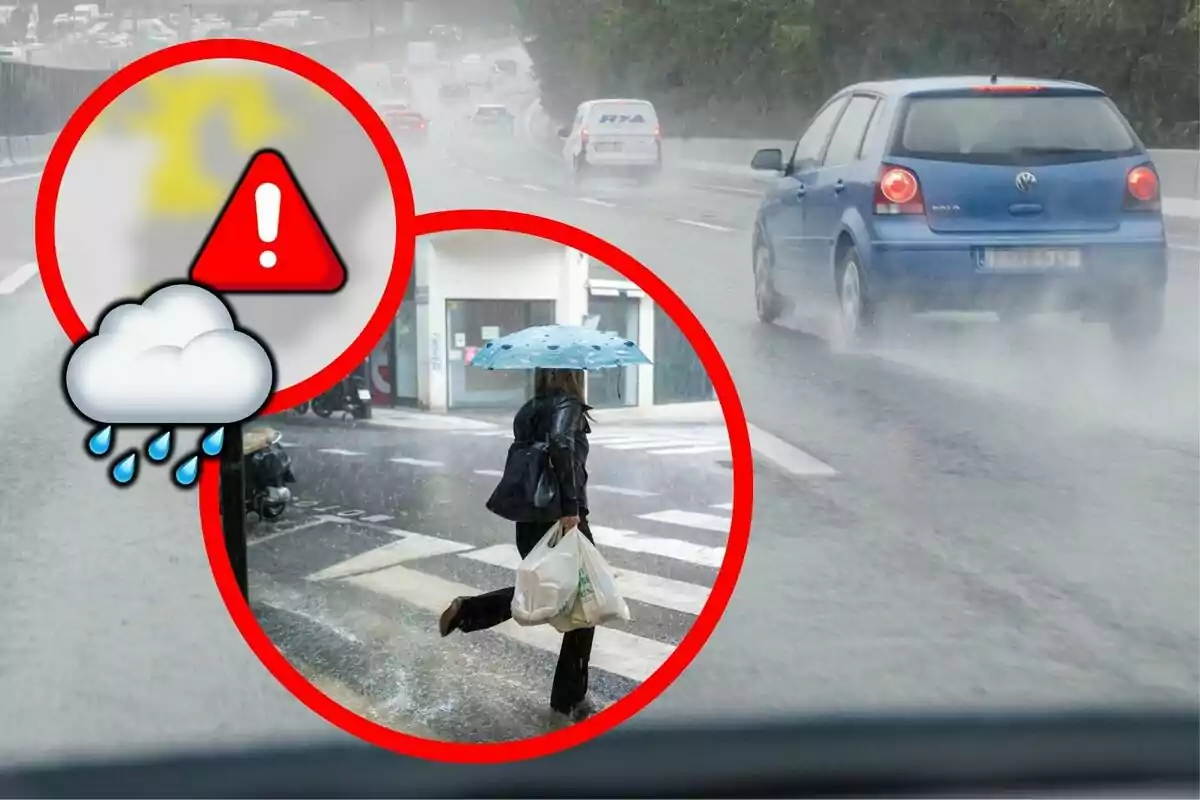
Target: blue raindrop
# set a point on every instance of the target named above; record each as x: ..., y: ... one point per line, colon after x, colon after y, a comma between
x: 160, y: 447
x: 125, y: 469
x: 101, y: 441
x: 185, y: 473
x: 213, y: 443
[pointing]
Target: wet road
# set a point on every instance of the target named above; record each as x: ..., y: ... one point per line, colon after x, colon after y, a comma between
x: 390, y: 526
x: 1012, y: 521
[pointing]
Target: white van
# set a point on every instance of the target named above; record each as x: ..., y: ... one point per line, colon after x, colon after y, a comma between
x: 613, y: 136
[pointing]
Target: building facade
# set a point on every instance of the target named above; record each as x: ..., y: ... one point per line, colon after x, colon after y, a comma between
x: 470, y: 287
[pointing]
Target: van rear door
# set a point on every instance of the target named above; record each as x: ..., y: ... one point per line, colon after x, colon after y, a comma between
x: 623, y: 129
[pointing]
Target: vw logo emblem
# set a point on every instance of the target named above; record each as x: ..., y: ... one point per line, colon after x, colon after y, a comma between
x: 1026, y: 181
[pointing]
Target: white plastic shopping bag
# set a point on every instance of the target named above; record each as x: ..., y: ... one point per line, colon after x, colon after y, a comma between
x: 598, y: 600
x: 548, y: 578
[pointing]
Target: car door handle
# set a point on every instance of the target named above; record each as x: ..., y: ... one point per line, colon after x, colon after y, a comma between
x: 839, y: 186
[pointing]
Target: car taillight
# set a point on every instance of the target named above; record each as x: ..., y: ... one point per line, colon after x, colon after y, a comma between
x: 1142, y: 189
x: 583, y: 137
x: 898, y: 192
x: 657, y: 132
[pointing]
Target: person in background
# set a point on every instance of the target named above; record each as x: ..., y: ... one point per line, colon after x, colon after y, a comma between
x: 557, y: 411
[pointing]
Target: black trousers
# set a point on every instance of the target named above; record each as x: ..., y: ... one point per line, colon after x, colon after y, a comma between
x: 488, y: 610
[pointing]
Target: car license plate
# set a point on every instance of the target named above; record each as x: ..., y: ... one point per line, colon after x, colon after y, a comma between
x: 364, y: 394
x: 607, y: 147
x: 1017, y: 258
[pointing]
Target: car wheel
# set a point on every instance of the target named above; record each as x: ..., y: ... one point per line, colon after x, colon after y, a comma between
x: 1138, y: 320
x: 577, y: 170
x: 856, y: 322
x: 767, y: 301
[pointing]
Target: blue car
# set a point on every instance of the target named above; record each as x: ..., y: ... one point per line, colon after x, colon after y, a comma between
x: 964, y: 194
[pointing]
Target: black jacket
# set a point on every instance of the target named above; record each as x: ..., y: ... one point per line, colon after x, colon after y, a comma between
x: 559, y: 417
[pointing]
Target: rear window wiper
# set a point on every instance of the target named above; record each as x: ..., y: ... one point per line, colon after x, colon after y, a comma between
x: 1059, y: 151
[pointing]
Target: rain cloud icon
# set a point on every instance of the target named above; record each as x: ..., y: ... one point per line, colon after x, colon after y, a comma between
x: 176, y: 358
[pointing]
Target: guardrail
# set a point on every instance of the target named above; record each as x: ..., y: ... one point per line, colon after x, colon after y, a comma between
x: 1179, y: 169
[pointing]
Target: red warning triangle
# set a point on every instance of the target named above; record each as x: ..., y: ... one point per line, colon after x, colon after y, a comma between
x: 268, y: 238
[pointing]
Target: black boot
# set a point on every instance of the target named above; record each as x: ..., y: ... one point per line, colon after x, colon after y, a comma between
x: 448, y: 622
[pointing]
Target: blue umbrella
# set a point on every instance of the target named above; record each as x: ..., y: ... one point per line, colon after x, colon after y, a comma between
x: 559, y: 347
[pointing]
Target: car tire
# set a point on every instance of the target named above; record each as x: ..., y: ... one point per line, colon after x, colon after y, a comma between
x: 857, y: 320
x: 1138, y: 320
x: 578, y: 168
x: 767, y: 302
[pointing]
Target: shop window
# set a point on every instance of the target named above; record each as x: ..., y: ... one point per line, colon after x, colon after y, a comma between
x: 470, y: 324
x: 679, y: 377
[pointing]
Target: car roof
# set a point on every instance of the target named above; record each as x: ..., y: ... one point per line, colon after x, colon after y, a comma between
x: 906, y: 86
x: 616, y: 100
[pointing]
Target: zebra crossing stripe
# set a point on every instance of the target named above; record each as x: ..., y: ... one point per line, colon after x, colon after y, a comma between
x: 412, y: 547
x: 699, y: 554
x: 614, y: 651
x: 692, y: 519
x: 723, y: 506
x: 687, y: 598
x: 687, y: 451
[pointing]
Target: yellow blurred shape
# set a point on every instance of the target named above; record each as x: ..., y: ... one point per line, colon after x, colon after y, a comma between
x: 180, y: 106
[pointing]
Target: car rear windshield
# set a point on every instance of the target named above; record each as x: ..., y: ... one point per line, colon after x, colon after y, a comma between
x: 1013, y: 129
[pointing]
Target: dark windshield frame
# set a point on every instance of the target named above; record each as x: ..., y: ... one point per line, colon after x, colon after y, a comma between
x: 896, y: 146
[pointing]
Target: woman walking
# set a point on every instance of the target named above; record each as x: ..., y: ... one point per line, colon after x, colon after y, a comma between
x: 557, y: 413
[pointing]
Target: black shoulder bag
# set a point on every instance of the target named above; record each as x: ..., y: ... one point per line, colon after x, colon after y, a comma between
x: 528, y: 489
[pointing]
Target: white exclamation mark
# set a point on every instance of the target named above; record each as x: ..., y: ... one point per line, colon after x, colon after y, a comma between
x: 266, y: 202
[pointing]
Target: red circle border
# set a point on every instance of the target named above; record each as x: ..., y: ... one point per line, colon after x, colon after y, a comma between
x: 688, y: 648
x: 272, y: 55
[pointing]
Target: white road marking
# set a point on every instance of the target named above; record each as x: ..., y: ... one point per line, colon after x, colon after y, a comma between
x: 376, y: 518
x: 19, y: 277
x: 1175, y: 244
x: 353, y: 512
x: 413, y: 547
x: 533, y: 187
x: 723, y: 506
x: 617, y: 652
x: 416, y: 462
x: 338, y: 452
x: 494, y: 179
x: 662, y: 592
x: 290, y: 444
x: 788, y: 457
x: 735, y: 189
x: 28, y: 176
x: 692, y: 519
x: 707, y: 225
x: 323, y: 519
x: 687, y: 451
x: 493, y: 473
x: 597, y: 202
x: 678, y: 549
x: 600, y: 487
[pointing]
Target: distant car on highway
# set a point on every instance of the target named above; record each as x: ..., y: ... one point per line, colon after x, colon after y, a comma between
x: 964, y: 194
x: 454, y: 90
x: 613, y: 136
x: 493, y: 119
x: 406, y: 124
